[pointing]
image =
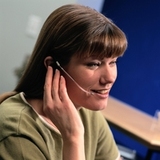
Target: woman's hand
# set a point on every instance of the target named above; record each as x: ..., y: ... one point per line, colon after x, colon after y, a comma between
x: 58, y: 107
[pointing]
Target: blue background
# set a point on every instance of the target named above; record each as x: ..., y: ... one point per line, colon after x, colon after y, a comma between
x: 138, y: 81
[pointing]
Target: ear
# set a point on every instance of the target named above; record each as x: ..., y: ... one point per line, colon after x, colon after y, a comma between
x: 48, y: 61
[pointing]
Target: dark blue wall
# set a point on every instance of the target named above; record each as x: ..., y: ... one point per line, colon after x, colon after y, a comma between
x: 138, y: 81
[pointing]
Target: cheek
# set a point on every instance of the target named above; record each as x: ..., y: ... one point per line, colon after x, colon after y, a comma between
x: 81, y: 78
x: 72, y: 85
x: 74, y: 92
x: 115, y: 74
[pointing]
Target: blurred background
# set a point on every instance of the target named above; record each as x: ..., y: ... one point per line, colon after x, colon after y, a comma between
x: 20, y: 23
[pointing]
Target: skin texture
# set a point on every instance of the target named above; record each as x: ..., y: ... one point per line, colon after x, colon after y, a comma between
x: 60, y: 103
x: 60, y: 110
x: 92, y: 75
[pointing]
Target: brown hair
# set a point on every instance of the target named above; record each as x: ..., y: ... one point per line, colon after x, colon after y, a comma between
x: 69, y: 30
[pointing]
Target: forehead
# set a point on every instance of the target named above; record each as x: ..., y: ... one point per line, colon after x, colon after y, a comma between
x: 76, y: 59
x: 102, y: 48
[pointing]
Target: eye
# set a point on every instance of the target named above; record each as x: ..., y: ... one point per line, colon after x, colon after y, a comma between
x: 113, y: 62
x: 93, y: 64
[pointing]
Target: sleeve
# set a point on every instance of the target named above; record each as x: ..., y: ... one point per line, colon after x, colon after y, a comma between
x: 20, y: 148
x: 106, y: 147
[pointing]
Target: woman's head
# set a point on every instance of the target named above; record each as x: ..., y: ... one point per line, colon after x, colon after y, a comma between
x: 70, y: 30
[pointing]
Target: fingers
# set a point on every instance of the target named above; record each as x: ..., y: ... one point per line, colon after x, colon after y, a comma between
x: 63, y: 90
x: 58, y: 107
x: 52, y: 83
x: 48, y: 84
x: 55, y: 87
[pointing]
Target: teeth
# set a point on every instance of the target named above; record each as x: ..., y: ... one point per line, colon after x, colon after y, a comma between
x: 101, y: 92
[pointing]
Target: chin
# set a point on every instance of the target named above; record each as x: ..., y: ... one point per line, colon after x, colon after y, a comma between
x: 100, y: 108
x: 96, y: 107
x: 93, y: 105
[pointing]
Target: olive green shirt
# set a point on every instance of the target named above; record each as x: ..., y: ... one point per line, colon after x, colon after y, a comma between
x: 24, y: 135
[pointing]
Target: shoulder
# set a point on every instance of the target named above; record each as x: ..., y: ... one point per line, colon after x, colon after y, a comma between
x: 15, y: 115
x: 13, y: 107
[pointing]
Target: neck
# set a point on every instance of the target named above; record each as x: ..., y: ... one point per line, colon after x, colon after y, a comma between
x: 37, y: 105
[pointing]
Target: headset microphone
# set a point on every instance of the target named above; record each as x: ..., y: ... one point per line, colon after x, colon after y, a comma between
x: 88, y: 93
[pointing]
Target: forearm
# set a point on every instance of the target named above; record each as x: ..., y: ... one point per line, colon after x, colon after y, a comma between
x: 74, y: 149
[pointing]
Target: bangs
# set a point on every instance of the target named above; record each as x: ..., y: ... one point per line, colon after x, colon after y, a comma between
x: 106, y: 45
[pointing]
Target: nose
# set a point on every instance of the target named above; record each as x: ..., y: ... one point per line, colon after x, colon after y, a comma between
x: 108, y: 75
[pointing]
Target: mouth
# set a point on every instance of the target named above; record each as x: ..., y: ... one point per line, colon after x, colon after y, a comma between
x: 102, y: 92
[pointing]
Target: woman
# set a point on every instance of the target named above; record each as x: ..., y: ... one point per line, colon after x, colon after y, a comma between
x: 51, y: 113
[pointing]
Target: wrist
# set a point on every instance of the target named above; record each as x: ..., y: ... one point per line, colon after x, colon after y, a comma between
x: 74, y: 139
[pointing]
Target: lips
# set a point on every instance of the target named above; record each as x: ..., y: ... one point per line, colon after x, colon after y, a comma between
x: 101, y: 91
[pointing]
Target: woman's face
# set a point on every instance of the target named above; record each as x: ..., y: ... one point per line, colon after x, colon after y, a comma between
x: 94, y: 75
